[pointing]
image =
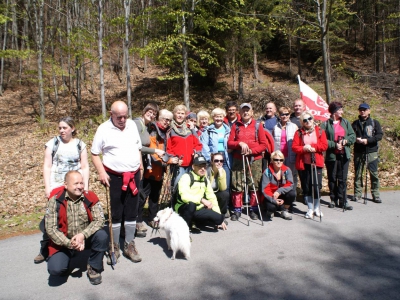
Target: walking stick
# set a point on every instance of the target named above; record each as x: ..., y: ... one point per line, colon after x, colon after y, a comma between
x: 112, y: 254
x: 255, y: 191
x: 246, y: 191
x: 315, y: 184
x: 366, y: 176
x: 340, y: 138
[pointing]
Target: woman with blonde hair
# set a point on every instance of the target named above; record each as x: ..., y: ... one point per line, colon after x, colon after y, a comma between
x: 309, y: 143
x: 277, y: 187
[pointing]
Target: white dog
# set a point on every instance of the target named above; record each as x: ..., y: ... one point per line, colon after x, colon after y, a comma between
x: 176, y: 230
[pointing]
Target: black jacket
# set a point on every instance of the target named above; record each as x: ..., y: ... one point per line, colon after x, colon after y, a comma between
x: 371, y: 130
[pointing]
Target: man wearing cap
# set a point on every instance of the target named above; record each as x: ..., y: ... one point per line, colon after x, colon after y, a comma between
x: 269, y: 119
x: 369, y: 133
x: 246, y: 140
x: 298, y: 108
x: 196, y: 201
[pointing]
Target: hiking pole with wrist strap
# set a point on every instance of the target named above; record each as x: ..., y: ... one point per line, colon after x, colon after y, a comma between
x: 255, y: 191
x: 246, y: 191
x: 112, y: 254
x: 366, y: 176
x: 314, y: 184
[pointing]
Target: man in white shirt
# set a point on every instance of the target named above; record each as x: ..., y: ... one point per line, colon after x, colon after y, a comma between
x: 121, y: 170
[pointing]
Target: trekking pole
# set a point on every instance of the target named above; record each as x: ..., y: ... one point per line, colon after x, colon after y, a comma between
x: 246, y: 191
x: 255, y: 191
x: 340, y: 138
x: 316, y: 185
x: 366, y: 176
x: 112, y: 254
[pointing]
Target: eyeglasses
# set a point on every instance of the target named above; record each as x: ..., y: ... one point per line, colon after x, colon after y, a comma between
x: 202, y: 166
x: 278, y: 160
x: 285, y: 114
x: 307, y: 120
x: 218, y: 160
x: 167, y: 120
x: 121, y: 117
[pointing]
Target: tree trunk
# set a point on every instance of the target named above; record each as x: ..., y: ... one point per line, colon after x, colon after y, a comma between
x: 299, y: 70
x: 127, y: 5
x: 323, y: 21
x: 241, y: 89
x: 377, y: 48
x: 100, y: 42
x: 54, y: 75
x: 78, y: 83
x: 3, y: 48
x: 39, y: 38
x: 185, y: 63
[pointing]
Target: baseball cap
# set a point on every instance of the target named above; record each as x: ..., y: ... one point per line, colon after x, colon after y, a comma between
x: 364, y: 106
x: 199, y: 160
x: 245, y: 105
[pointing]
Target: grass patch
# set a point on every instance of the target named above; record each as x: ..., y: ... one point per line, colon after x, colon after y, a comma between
x: 17, y: 225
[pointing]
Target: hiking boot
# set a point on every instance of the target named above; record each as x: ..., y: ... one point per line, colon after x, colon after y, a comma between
x: 153, y: 224
x: 309, y: 214
x: 39, y: 258
x: 332, y: 204
x: 285, y: 215
x: 227, y: 215
x: 377, y: 200
x: 347, y: 206
x: 93, y: 275
x: 318, y: 213
x: 253, y: 215
x: 140, y: 230
x: 194, y: 228
x: 235, y: 216
x: 270, y: 215
x: 356, y: 198
x: 116, y: 251
x: 131, y: 252
x: 141, y: 227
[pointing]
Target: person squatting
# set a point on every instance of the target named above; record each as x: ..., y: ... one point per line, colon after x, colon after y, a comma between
x: 208, y: 166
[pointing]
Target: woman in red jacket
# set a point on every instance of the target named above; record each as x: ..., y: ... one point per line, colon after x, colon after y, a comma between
x: 309, y: 143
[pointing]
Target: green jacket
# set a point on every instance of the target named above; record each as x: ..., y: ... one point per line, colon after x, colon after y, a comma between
x: 195, y: 192
x: 350, y: 136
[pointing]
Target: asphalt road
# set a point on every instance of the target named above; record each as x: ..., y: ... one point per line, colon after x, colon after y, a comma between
x: 351, y: 255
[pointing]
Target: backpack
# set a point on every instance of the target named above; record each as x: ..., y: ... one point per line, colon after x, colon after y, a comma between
x: 270, y: 140
x: 192, y: 181
x: 57, y: 144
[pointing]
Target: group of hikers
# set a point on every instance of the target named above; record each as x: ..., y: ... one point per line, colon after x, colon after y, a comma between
x: 208, y: 167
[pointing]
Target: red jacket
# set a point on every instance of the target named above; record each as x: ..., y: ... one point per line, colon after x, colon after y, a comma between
x: 226, y: 121
x: 270, y: 184
x: 240, y: 133
x: 183, y: 146
x: 320, y: 147
x: 62, y: 203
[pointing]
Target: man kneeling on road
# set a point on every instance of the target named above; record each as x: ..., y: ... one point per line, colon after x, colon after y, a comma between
x: 196, y: 201
x: 74, y: 221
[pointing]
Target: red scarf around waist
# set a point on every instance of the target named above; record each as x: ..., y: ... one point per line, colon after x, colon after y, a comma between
x: 128, y: 178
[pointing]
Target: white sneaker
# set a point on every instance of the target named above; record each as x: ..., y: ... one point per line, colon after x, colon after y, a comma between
x: 318, y: 213
x: 309, y: 214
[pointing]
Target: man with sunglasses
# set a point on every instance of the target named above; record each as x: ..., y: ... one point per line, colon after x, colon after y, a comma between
x: 368, y: 133
x: 121, y: 170
x: 196, y: 201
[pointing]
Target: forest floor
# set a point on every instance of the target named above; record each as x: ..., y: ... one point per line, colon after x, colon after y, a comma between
x: 22, y: 200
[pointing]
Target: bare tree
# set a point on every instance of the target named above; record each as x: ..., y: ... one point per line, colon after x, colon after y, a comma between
x: 3, y: 48
x: 127, y: 6
x: 39, y: 42
x: 100, y: 43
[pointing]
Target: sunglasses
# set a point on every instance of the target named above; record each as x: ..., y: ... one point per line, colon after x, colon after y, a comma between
x: 278, y: 159
x: 307, y: 120
x: 218, y: 160
x: 285, y: 114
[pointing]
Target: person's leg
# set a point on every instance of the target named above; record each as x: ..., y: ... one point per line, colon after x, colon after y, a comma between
x: 155, y: 189
x: 253, y: 182
x: 331, y: 169
x: 306, y: 185
x: 140, y: 227
x: 227, y: 171
x: 373, y: 174
x: 237, y: 187
x: 359, y: 163
x: 223, y: 199
x: 208, y: 217
x: 98, y: 245
x: 343, y: 170
x: 317, y: 187
x: 57, y: 264
x: 117, y: 197
x: 288, y: 199
x: 186, y: 211
x: 131, y: 204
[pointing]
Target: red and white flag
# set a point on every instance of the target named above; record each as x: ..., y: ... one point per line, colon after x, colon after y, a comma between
x: 313, y: 102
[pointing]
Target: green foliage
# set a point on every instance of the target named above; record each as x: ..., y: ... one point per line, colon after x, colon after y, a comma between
x: 9, y: 53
